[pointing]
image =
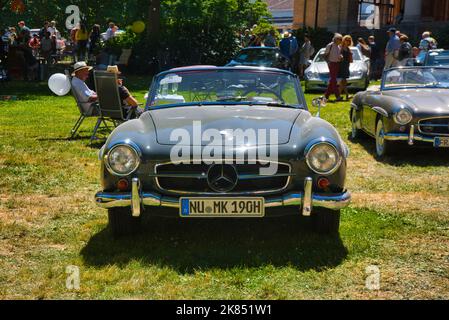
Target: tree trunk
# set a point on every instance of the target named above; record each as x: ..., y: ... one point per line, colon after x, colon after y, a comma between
x: 154, y: 19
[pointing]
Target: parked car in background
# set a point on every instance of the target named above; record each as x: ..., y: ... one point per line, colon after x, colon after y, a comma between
x: 261, y: 57
x: 410, y: 106
x: 146, y: 164
x: 317, y: 74
x: 433, y: 58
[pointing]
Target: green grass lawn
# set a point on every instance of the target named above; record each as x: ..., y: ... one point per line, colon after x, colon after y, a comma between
x: 398, y: 221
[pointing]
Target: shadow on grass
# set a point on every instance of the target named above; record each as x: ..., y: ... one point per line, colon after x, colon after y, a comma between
x: 189, y: 245
x: 421, y: 154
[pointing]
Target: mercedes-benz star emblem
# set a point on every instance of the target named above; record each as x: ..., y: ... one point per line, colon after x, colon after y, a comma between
x: 222, y: 177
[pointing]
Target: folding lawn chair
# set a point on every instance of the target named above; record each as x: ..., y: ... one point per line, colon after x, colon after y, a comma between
x: 83, y: 114
x: 109, y: 102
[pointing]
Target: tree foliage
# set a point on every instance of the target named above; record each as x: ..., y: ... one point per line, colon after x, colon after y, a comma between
x: 192, y: 31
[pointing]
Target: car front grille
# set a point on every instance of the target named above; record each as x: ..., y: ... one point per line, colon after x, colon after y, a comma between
x: 435, y: 126
x: 193, y: 179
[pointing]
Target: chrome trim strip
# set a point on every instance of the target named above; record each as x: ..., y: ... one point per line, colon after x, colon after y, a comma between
x: 406, y: 137
x: 135, y: 197
x: 333, y: 202
x: 307, y: 197
x: 430, y: 125
x: 247, y: 162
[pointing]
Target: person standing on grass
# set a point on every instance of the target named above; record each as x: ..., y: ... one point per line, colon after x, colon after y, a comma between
x: 333, y: 56
x: 305, y: 54
x: 345, y: 63
x: 392, y: 49
x: 81, y: 37
x: 110, y: 33
x: 35, y: 44
x: 375, y: 59
x: 405, y: 51
x: 94, y: 40
x: 270, y: 39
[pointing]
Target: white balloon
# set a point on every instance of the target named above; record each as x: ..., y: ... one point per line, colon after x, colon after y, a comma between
x: 59, y: 84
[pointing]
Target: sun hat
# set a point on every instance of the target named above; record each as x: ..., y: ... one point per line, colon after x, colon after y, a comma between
x: 113, y: 69
x: 79, y: 66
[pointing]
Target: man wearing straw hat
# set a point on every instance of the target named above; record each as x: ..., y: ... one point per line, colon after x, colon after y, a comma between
x: 129, y: 102
x: 87, y: 97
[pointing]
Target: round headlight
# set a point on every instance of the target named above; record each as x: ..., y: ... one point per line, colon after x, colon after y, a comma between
x: 323, y: 158
x: 403, y: 117
x: 122, y: 160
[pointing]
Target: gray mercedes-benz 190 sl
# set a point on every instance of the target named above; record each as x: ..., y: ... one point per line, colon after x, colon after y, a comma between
x: 224, y: 142
x: 411, y: 105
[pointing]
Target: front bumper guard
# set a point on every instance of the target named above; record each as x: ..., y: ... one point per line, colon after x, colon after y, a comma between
x: 305, y: 200
x: 411, y: 137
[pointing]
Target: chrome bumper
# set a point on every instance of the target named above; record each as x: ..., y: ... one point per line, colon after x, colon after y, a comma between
x: 411, y: 137
x: 322, y: 84
x: 304, y: 200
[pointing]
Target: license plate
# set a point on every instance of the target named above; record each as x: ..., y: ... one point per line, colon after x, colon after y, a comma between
x: 442, y: 142
x: 222, y: 207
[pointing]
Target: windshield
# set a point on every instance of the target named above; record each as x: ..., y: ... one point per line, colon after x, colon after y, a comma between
x: 438, y: 59
x: 226, y: 86
x: 416, y: 78
x: 257, y: 56
x: 355, y: 55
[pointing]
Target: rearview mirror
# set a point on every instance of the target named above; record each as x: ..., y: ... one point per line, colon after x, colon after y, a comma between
x: 319, y: 103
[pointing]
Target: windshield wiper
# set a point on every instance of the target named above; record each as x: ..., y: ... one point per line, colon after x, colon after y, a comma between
x: 280, y: 104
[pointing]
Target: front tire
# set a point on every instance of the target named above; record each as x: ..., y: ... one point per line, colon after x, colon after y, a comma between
x: 383, y: 147
x: 326, y: 221
x: 355, y: 132
x: 122, y: 222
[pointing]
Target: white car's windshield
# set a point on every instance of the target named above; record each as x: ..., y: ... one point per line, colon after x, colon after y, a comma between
x: 416, y: 78
x: 226, y: 86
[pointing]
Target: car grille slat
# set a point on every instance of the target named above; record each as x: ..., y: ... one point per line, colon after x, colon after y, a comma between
x: 192, y: 179
x: 435, y: 126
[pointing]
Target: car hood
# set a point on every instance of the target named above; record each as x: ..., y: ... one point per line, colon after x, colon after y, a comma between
x: 223, y: 119
x: 322, y: 67
x: 423, y: 100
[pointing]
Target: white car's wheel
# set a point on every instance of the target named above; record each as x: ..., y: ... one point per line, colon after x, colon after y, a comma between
x: 382, y: 145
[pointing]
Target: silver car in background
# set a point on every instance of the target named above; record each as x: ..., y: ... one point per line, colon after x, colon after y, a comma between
x: 317, y: 74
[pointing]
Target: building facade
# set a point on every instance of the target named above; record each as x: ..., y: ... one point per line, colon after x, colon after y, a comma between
x: 282, y: 13
x: 351, y: 15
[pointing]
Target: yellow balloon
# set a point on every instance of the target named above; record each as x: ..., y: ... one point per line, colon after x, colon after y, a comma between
x: 138, y: 27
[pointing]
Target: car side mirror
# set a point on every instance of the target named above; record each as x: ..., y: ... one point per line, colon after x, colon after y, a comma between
x: 319, y: 103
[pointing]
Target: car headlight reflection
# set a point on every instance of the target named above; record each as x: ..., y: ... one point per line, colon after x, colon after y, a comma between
x: 403, y: 117
x: 122, y: 160
x: 356, y: 74
x: 323, y: 158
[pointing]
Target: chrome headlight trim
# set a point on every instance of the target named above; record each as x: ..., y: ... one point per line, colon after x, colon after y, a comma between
x: 133, y: 147
x: 313, y: 145
x: 407, y: 113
